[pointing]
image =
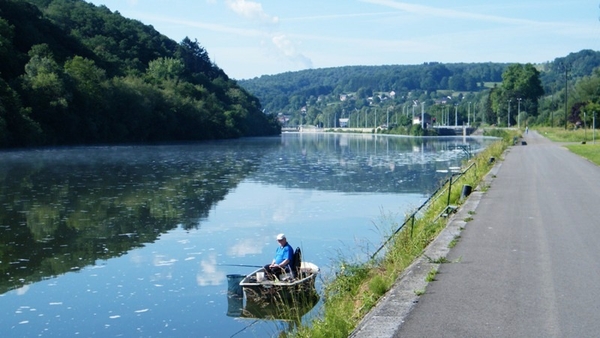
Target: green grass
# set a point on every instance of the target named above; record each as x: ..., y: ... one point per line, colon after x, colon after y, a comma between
x: 589, y: 151
x: 454, y: 241
x: 568, y: 135
x: 355, y: 288
x: 439, y: 260
x: 431, y: 275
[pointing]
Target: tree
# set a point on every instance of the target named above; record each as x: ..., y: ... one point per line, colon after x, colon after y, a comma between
x: 518, y: 81
x: 165, y: 69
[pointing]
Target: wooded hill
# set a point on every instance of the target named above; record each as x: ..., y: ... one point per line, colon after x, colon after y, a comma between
x: 76, y: 73
x: 321, y: 96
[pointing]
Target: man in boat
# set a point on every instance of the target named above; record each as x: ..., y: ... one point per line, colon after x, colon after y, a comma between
x: 283, y: 261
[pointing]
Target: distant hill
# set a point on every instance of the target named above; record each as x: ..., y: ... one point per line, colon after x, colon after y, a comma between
x: 76, y: 73
x: 289, y: 92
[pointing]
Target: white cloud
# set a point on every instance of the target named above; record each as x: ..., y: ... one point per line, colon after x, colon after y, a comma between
x: 209, y: 274
x: 251, y: 10
x: 449, y: 13
x: 286, y: 48
x: 244, y: 248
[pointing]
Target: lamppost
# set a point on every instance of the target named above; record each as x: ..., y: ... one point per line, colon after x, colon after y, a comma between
x: 509, y: 112
x: 519, y: 113
x: 388, y: 116
x: 375, y: 121
x: 469, y: 115
x: 567, y: 68
x: 422, y: 115
x: 456, y: 115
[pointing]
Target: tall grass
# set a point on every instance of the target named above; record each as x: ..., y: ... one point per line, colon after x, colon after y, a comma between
x: 357, y: 287
x: 568, y: 135
x: 588, y: 146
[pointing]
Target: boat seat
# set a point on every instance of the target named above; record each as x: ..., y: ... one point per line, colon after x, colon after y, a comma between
x: 297, y: 263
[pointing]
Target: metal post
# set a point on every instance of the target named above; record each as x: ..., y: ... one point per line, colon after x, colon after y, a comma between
x: 449, y: 189
x: 422, y: 115
x: 455, y: 115
x: 566, y: 90
x: 519, y: 114
x: 375, y: 122
x: 584, y: 128
x: 508, y: 123
x: 469, y: 115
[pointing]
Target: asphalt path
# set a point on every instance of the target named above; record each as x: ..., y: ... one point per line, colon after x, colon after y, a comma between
x: 526, y: 265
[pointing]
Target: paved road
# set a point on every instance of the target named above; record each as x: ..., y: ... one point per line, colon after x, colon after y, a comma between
x: 527, y: 265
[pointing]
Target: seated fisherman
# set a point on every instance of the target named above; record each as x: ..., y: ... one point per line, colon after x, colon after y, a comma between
x: 283, y: 261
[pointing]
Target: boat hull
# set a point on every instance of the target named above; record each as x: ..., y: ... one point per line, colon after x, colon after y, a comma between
x: 282, y: 288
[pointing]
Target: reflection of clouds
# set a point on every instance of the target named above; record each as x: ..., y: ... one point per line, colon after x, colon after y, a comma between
x: 245, y: 247
x: 159, y: 260
x: 22, y: 290
x: 209, y: 275
x: 136, y: 258
x: 284, y: 211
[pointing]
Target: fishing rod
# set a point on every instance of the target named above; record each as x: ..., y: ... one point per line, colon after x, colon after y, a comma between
x: 242, y: 265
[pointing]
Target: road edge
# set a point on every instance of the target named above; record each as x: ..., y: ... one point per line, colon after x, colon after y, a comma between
x: 387, y: 317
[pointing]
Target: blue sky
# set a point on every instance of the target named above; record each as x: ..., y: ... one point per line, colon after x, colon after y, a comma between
x: 252, y: 38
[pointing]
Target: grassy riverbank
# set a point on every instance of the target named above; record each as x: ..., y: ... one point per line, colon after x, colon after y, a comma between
x: 590, y: 149
x: 357, y: 287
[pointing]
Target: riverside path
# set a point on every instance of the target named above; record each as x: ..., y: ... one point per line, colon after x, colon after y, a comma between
x: 526, y: 265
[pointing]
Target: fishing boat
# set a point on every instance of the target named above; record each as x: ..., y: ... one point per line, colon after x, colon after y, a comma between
x: 300, y: 281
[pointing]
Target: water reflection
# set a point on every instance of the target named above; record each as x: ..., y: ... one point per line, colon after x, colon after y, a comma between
x: 93, y: 235
x: 64, y: 209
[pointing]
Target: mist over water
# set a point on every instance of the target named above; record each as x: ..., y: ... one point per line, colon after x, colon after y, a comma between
x: 139, y: 240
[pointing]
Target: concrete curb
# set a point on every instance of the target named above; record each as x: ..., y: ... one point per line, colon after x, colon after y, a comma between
x: 390, y: 312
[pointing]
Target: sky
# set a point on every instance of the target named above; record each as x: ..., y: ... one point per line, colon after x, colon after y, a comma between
x: 248, y: 39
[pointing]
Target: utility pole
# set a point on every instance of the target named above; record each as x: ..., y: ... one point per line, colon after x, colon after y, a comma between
x: 469, y: 115
x: 455, y: 115
x: 422, y: 115
x: 567, y: 68
x: 508, y: 123
x: 519, y: 114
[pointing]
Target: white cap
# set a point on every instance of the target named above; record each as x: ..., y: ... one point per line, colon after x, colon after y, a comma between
x: 280, y: 237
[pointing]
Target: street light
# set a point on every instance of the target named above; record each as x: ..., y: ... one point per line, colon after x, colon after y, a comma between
x: 519, y: 114
x: 456, y: 115
x: 469, y: 115
x: 388, y: 116
x: 375, y: 121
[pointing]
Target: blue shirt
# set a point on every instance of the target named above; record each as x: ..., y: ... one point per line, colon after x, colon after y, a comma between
x: 284, y: 252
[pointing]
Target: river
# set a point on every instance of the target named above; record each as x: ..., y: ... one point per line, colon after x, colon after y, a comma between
x: 123, y: 241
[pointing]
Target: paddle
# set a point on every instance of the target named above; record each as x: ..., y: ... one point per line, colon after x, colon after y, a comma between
x: 243, y: 265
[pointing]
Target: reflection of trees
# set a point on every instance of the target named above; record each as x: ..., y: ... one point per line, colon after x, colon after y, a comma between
x: 362, y: 163
x: 66, y: 209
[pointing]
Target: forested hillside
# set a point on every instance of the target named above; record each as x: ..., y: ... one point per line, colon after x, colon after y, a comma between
x: 452, y: 93
x: 76, y: 73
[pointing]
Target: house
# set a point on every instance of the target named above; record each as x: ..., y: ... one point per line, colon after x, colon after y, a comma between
x: 417, y: 119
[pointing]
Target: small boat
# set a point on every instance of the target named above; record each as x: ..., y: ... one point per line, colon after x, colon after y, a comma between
x: 301, y: 282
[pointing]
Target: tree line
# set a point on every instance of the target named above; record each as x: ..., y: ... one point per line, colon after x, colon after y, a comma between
x: 457, y: 93
x: 76, y: 73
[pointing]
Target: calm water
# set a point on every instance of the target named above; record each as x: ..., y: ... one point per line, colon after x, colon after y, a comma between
x: 138, y: 240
